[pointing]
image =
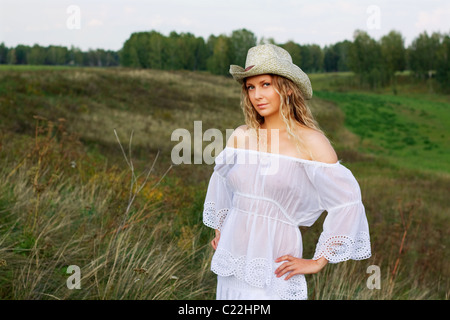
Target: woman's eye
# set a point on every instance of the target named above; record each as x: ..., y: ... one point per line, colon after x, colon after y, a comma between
x: 266, y: 84
x: 250, y: 87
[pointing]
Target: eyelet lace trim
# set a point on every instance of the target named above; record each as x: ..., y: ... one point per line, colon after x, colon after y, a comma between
x: 259, y: 273
x: 212, y: 218
x: 341, y: 248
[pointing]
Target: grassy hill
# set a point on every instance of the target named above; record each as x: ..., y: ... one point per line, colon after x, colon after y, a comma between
x: 410, y: 128
x: 131, y: 220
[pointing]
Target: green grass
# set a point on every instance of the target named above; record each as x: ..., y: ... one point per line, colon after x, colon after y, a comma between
x: 410, y: 131
x: 67, y: 195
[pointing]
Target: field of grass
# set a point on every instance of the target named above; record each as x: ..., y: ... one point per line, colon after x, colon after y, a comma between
x: 86, y: 179
x: 411, y: 131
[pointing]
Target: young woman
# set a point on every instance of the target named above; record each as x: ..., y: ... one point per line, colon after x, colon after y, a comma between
x: 278, y: 172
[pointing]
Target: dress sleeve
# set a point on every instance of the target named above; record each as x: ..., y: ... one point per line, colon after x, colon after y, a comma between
x: 345, y: 232
x: 219, y: 194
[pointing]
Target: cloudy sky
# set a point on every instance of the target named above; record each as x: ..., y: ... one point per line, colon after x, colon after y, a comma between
x: 107, y: 24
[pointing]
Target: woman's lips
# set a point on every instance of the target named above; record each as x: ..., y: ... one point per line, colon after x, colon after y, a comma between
x: 262, y: 105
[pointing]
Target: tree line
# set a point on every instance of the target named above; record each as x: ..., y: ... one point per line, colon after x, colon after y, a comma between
x: 374, y: 62
x: 186, y: 51
x: 57, y: 55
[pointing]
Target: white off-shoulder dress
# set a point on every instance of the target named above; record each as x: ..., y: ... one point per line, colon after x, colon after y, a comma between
x: 258, y: 200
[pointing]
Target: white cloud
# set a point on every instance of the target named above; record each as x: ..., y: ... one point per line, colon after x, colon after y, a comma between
x: 187, y: 22
x: 434, y: 20
x: 95, y: 23
x: 129, y: 10
x: 156, y: 21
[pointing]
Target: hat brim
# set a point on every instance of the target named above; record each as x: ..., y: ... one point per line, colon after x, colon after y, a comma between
x: 282, y: 68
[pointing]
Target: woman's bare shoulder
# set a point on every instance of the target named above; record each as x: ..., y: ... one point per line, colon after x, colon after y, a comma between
x: 318, y: 145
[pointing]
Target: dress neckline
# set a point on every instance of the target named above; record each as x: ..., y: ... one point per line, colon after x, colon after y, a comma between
x: 312, y: 162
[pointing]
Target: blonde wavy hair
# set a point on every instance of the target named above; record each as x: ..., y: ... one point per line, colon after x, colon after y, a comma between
x: 293, y: 110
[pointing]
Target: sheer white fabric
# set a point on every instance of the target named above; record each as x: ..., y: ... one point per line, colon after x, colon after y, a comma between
x: 258, y: 200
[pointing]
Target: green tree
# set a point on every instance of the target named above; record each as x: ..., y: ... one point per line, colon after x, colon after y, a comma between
x: 201, y: 54
x: 56, y: 55
x: 173, y: 61
x: 221, y: 58
x: 21, y: 53
x: 394, y: 56
x: 330, y: 59
x: 443, y: 63
x: 316, y: 58
x: 142, y: 48
x: 295, y: 51
x: 11, y: 56
x: 241, y: 41
x: 343, y: 49
x: 312, y: 58
x: 306, y: 58
x: 423, y: 53
x: 111, y: 58
x: 134, y: 59
x: 393, y: 52
x: 155, y: 50
x: 36, y: 56
x: 75, y: 56
x: 3, y: 53
x: 336, y: 57
x: 186, y: 45
x: 365, y: 59
x: 210, y: 43
x: 128, y: 55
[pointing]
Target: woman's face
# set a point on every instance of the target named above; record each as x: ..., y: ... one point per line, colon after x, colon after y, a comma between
x: 262, y: 94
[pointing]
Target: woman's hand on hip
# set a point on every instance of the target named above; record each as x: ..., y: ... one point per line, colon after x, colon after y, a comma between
x: 215, y: 241
x: 298, y: 266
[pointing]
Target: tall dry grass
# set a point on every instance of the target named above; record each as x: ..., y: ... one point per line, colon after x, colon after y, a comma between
x: 57, y: 211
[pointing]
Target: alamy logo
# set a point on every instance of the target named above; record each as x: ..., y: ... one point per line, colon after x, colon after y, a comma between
x: 374, y: 19
x: 74, y: 20
x: 374, y: 281
x: 188, y: 147
x: 74, y: 281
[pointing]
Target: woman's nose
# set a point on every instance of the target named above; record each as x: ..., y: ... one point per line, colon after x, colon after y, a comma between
x: 258, y: 93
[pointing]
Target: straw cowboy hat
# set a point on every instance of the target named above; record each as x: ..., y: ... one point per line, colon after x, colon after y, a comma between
x: 271, y: 59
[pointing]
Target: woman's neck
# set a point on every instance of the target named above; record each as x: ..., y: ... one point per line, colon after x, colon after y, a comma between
x: 273, y: 132
x: 273, y: 123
